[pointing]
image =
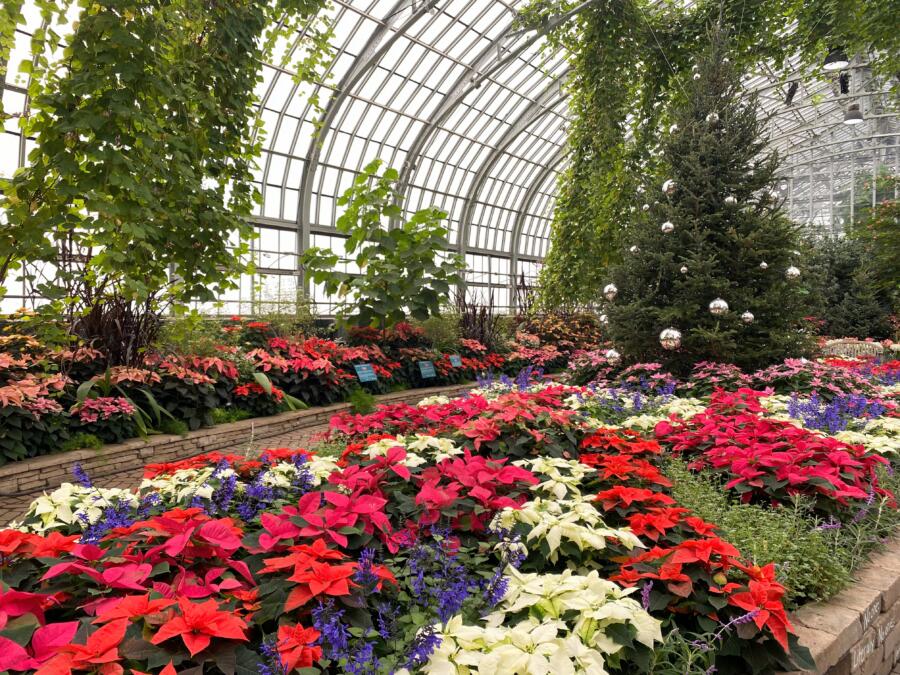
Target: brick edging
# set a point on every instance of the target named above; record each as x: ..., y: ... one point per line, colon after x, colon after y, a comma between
x: 20, y: 482
x: 857, y: 632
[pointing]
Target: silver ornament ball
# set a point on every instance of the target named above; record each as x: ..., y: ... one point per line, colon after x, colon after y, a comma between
x: 696, y: 76
x: 763, y: 265
x: 747, y: 317
x: 670, y: 338
x: 684, y: 269
x: 673, y: 128
x: 613, y: 356
x: 667, y: 227
x: 634, y: 249
x: 646, y: 207
x: 669, y: 187
x: 792, y: 272
x: 610, y: 292
x: 718, y: 307
x: 712, y: 118
x: 731, y: 200
x: 604, y: 319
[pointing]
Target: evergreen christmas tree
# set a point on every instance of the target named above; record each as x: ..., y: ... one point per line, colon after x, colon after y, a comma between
x: 711, y: 230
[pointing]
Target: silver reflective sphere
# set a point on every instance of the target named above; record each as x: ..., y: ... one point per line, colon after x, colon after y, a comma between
x: 610, y: 292
x: 634, y: 249
x: 669, y: 187
x: 792, y: 272
x: 670, y: 338
x: 667, y: 227
x: 718, y: 307
x: 712, y: 118
x: 684, y: 269
x: 731, y: 200
x: 747, y: 317
x: 604, y: 319
x: 646, y: 207
x: 763, y: 265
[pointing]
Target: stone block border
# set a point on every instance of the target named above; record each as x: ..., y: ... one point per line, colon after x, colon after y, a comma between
x: 857, y: 632
x: 20, y: 482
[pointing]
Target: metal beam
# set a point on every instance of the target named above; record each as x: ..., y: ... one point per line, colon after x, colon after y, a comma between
x: 378, y: 44
x: 487, y: 62
x: 524, y: 211
x: 541, y: 106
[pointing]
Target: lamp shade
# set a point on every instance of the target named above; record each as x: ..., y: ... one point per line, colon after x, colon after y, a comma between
x: 853, y: 115
x: 836, y: 60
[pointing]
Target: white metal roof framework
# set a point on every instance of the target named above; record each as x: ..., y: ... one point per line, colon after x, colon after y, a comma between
x: 473, y: 114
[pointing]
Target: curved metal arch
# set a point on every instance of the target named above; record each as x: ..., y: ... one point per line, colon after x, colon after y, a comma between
x: 472, y: 79
x: 527, y: 201
x: 368, y: 58
x: 541, y: 106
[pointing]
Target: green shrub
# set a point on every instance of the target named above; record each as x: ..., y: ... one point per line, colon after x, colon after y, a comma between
x: 174, y: 427
x: 289, y: 313
x: 82, y: 441
x: 361, y: 402
x: 442, y: 331
x: 804, y: 556
x: 226, y: 415
x: 192, y: 334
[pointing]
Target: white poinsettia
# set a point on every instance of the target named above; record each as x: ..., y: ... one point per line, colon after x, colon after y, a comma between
x: 558, y: 520
x: 435, y: 447
x: 72, y: 504
x: 530, y: 647
x: 182, y: 485
x: 382, y: 447
x: 321, y: 468
x: 563, y: 476
x: 433, y: 400
x: 598, y: 603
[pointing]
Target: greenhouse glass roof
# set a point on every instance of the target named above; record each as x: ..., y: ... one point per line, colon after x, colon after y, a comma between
x: 472, y: 113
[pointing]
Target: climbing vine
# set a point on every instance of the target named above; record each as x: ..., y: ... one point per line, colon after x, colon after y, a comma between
x: 146, y: 140
x: 626, y: 61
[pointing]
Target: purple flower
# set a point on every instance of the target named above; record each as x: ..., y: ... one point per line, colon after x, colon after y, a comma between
x: 423, y: 646
x: 645, y: 594
x: 81, y: 476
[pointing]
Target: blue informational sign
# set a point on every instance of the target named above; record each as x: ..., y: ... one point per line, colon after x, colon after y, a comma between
x: 365, y: 372
x: 427, y: 369
x: 456, y: 360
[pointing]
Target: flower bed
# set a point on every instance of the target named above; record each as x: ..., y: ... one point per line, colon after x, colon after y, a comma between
x: 517, y: 529
x: 51, y: 400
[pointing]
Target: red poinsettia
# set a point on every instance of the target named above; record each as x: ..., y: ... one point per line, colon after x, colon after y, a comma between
x: 198, y: 623
x: 296, y: 646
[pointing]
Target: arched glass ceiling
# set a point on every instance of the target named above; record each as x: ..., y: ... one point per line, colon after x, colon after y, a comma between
x: 472, y: 114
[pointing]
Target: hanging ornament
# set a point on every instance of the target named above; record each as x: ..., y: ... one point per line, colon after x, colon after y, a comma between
x: 673, y: 128
x: 667, y: 227
x: 634, y: 249
x: 763, y: 265
x: 646, y: 207
x: 792, y: 272
x: 670, y: 338
x: 669, y: 187
x: 696, y: 76
x: 604, y: 319
x: 718, y: 307
x: 613, y: 356
x: 640, y: 189
x: 747, y: 317
x: 610, y: 292
x: 726, y: 60
x: 695, y: 68
x: 684, y: 269
x: 712, y: 118
x: 731, y: 200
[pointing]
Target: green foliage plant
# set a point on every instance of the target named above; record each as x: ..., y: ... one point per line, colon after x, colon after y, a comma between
x: 786, y: 535
x: 141, y: 179
x: 404, y: 270
x: 81, y: 441
x: 227, y: 415
x: 730, y: 234
x: 361, y: 401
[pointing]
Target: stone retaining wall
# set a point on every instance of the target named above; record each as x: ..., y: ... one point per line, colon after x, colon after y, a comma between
x: 857, y: 632
x: 20, y: 482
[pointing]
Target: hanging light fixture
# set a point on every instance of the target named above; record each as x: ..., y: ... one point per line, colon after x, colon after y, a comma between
x: 836, y: 60
x: 853, y: 115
